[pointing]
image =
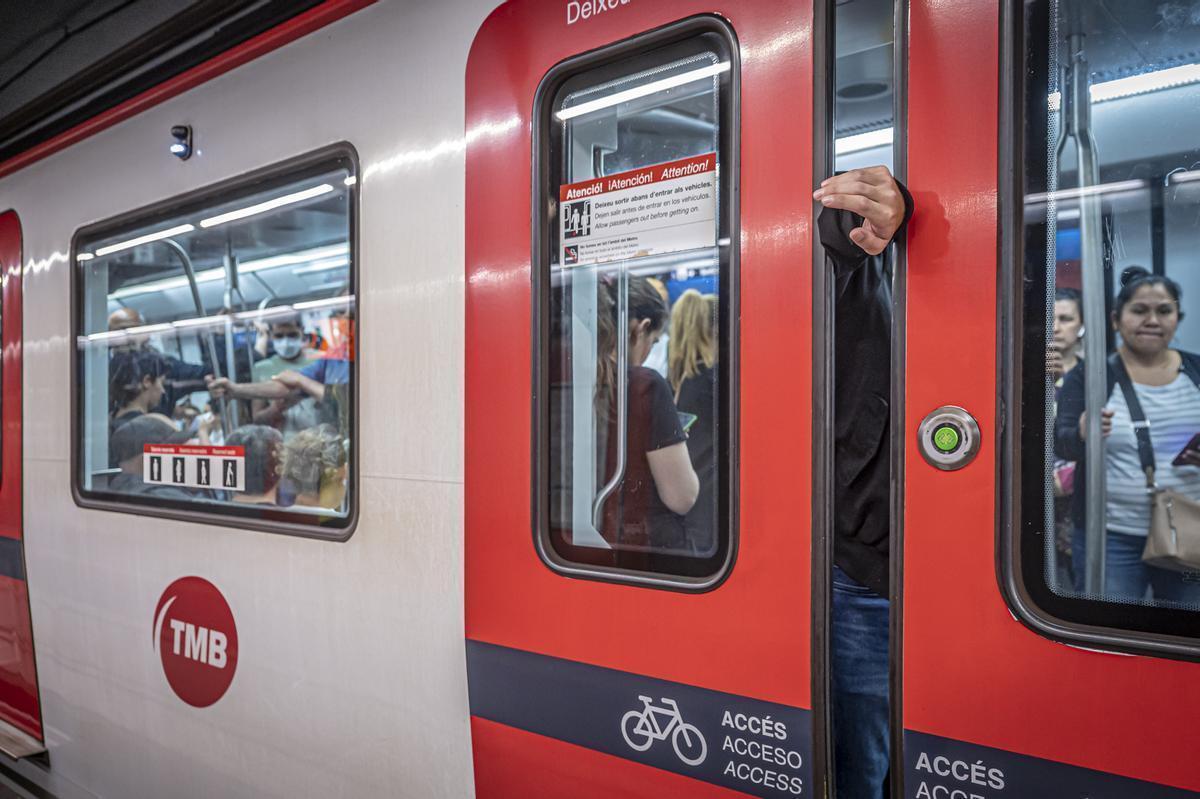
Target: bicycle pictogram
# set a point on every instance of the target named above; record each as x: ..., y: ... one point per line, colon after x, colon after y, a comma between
x: 641, y: 728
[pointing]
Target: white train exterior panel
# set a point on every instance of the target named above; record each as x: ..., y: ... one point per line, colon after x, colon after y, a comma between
x: 351, y: 678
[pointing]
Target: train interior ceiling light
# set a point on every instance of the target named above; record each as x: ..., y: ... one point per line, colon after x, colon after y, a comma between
x: 214, y: 221
x: 1147, y: 82
x: 644, y: 90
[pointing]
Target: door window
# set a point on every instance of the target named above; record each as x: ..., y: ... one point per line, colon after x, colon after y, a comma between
x: 1110, y: 532
x: 636, y: 282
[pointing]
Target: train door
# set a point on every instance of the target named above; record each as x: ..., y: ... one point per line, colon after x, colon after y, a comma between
x: 1047, y: 651
x: 20, y: 711
x: 638, y: 612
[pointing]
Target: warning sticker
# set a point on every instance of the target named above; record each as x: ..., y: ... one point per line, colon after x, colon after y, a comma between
x: 221, y: 468
x: 659, y: 209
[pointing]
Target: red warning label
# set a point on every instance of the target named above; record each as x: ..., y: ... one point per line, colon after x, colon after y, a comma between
x: 196, y: 640
x: 660, y: 209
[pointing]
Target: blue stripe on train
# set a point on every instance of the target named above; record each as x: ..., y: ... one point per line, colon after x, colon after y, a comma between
x: 943, y: 768
x: 759, y: 748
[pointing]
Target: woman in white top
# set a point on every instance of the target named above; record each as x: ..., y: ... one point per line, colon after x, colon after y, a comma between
x: 1146, y: 314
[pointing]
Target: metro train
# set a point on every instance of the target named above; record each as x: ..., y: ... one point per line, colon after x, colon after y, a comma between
x: 303, y: 493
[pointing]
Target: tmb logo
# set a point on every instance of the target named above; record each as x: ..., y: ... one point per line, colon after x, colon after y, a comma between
x: 196, y: 639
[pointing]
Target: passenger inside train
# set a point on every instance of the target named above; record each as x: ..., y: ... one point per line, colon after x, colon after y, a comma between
x: 691, y: 371
x: 241, y: 304
x: 262, y: 446
x: 1111, y: 230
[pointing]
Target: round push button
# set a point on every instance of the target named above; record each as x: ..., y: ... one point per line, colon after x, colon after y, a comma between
x: 947, y: 438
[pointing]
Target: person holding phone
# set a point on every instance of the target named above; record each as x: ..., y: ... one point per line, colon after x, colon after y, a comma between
x: 1166, y: 382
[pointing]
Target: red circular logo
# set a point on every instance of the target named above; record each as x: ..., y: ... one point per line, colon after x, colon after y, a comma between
x: 196, y: 639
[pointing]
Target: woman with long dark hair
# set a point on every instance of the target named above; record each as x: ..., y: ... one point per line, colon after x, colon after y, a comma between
x: 659, y: 486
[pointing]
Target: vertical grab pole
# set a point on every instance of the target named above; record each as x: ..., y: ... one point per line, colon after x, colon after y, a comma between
x: 230, y: 355
x: 622, y: 395
x: 210, y: 345
x: 1095, y: 304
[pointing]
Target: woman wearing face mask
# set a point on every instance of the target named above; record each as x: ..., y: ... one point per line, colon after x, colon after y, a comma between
x: 291, y: 414
x: 1165, y: 381
x: 659, y: 484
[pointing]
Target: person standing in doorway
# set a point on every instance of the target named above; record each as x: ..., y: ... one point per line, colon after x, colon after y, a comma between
x: 864, y: 211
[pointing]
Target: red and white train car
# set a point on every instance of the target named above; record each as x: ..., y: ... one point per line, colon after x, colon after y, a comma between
x: 439, y: 589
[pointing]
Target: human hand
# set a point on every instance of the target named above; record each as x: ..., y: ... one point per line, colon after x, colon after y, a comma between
x: 1054, y: 362
x: 289, y: 378
x: 218, y: 387
x: 208, y: 423
x: 1106, y: 417
x: 872, y: 194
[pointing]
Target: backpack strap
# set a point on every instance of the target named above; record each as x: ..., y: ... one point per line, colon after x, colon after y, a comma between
x: 1191, y: 366
x: 1141, y: 426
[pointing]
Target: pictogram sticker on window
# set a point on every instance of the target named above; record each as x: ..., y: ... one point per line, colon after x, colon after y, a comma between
x: 222, y: 468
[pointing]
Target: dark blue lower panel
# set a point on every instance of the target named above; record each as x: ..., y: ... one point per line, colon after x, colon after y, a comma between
x: 760, y: 748
x: 942, y: 768
x: 12, y: 559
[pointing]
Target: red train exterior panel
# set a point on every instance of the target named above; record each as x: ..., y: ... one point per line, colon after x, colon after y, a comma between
x: 973, y: 673
x: 750, y: 636
x: 19, y: 703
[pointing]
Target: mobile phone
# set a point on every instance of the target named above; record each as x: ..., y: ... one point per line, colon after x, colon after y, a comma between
x: 1194, y: 445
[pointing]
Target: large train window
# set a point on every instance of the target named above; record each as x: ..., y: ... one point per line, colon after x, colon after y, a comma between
x: 635, y: 285
x: 1110, y: 527
x: 215, y: 353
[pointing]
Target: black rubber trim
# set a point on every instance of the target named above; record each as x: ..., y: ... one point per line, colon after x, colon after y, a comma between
x: 899, y: 376
x: 674, y: 34
x: 823, y: 317
x: 204, y: 30
x: 1020, y: 490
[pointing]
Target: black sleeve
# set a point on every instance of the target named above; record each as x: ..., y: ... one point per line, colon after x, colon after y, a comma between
x: 1068, y: 444
x: 183, y: 372
x: 835, y: 225
x: 665, y: 429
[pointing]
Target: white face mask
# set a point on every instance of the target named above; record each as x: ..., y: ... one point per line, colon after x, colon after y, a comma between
x: 288, y: 348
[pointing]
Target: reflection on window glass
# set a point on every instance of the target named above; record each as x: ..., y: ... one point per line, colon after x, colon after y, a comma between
x: 216, y: 354
x: 863, y: 115
x: 1112, y: 214
x: 638, y: 277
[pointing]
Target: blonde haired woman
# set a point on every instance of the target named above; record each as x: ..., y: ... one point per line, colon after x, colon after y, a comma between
x: 692, y: 373
x: 693, y: 346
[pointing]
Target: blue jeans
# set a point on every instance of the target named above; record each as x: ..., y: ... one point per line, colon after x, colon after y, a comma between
x: 1126, y: 577
x: 860, y: 688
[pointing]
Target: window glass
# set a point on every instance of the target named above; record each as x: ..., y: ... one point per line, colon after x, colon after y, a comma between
x: 863, y: 114
x: 216, y: 352
x: 1111, y: 527
x: 636, y: 358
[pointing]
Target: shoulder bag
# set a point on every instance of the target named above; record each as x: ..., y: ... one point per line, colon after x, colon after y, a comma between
x: 1174, y: 538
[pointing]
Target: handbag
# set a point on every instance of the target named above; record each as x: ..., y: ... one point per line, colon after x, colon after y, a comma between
x: 1174, y: 537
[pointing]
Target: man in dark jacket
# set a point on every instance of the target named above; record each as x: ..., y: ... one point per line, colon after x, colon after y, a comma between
x: 864, y: 211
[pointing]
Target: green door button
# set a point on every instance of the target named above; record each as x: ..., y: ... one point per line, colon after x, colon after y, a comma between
x: 947, y: 438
